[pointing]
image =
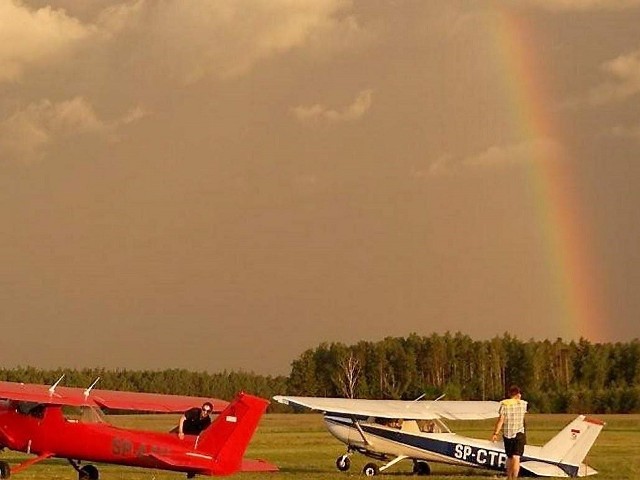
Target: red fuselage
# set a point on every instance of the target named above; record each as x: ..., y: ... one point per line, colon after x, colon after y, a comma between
x: 47, y: 431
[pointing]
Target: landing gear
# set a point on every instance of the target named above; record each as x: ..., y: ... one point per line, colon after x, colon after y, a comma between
x: 5, y: 470
x: 343, y: 463
x: 88, y: 472
x: 370, y: 470
x: 421, y: 468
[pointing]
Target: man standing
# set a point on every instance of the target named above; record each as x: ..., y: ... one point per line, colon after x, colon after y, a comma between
x: 195, y: 420
x: 512, y: 411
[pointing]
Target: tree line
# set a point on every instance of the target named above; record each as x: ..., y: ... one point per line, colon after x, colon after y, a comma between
x: 556, y: 377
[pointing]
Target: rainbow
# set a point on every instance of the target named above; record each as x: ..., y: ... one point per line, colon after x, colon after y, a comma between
x: 573, y: 271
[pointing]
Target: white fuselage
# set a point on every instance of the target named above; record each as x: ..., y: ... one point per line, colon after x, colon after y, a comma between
x: 381, y: 441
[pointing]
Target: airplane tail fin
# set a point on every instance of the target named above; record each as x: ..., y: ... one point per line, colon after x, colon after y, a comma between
x: 572, y: 444
x: 228, y: 436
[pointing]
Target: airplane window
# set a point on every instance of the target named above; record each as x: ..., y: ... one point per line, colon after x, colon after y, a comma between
x: 390, y: 422
x: 83, y: 414
x: 38, y: 411
x: 429, y: 426
x: 31, y: 408
x: 24, y: 407
x: 92, y: 415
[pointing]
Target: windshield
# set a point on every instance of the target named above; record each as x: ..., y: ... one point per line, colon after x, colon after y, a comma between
x: 84, y: 414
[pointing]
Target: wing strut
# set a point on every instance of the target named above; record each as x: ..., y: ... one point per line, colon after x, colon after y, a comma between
x: 393, y: 462
x: 31, y: 461
x: 52, y: 388
x: 360, y: 431
x: 87, y: 390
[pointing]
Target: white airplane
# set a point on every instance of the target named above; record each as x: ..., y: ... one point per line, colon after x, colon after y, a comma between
x: 395, y: 430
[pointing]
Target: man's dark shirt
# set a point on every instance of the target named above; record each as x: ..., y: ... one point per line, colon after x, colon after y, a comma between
x: 194, y: 424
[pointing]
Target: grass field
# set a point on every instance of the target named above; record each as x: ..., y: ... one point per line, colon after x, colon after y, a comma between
x: 304, y: 450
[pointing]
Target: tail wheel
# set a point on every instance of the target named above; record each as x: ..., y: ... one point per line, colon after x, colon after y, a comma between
x: 5, y: 470
x: 88, y: 472
x: 370, y: 470
x: 343, y: 463
x: 421, y: 468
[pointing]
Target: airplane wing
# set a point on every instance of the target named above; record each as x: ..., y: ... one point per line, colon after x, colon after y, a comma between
x: 407, y: 409
x: 112, y: 399
x: 28, y: 392
x: 151, y: 402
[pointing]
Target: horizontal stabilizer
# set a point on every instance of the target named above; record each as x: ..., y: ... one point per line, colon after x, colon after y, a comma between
x: 541, y: 469
x: 586, y: 470
x: 183, y: 462
x: 205, y: 464
x: 259, y: 465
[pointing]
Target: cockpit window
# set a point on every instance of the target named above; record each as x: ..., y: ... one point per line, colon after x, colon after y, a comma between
x: 83, y: 414
x: 31, y: 408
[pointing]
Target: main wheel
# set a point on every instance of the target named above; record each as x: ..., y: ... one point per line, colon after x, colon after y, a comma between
x: 370, y: 470
x: 5, y: 470
x: 421, y: 468
x: 88, y: 472
x: 343, y: 463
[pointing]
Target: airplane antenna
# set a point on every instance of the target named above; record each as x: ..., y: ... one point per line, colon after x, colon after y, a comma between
x: 440, y: 397
x: 52, y: 388
x: 420, y: 397
x: 87, y: 391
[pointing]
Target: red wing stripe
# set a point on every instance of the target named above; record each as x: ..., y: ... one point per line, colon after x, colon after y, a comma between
x: 595, y: 421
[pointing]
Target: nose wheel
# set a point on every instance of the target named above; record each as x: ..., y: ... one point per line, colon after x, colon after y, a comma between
x: 343, y: 463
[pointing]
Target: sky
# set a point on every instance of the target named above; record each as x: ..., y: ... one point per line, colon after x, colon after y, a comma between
x: 225, y: 184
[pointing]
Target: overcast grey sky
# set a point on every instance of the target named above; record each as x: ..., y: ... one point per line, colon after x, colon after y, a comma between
x: 224, y: 184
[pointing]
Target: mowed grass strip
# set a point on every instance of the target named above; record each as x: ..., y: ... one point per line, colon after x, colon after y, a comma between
x: 304, y: 450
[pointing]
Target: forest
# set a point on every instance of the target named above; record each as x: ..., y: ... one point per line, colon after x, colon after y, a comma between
x: 555, y: 376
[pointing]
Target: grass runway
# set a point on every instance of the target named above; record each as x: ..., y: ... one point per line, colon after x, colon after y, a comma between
x: 304, y: 450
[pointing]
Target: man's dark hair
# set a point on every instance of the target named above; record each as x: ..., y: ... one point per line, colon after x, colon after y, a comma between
x: 514, y: 390
x: 207, y: 404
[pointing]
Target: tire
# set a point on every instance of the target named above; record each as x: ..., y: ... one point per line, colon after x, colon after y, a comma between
x: 88, y: 472
x: 370, y: 470
x: 421, y: 468
x: 5, y: 470
x: 343, y: 463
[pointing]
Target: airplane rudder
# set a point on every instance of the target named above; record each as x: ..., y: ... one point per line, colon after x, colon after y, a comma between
x: 230, y: 433
x: 585, y: 436
x: 573, y: 442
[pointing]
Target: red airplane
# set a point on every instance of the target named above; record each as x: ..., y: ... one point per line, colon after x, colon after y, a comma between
x: 35, y: 419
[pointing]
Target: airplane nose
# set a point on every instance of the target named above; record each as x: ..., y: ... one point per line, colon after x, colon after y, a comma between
x: 344, y: 430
